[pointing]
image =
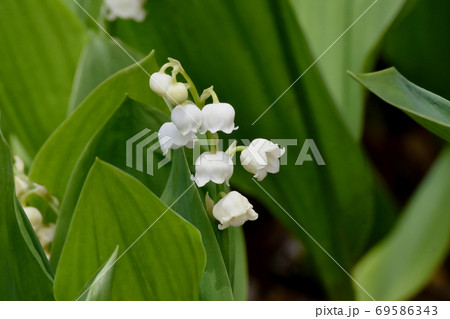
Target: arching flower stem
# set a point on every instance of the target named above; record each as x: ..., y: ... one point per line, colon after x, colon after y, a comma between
x: 166, y: 66
x: 179, y: 69
x: 233, y: 150
x: 209, y: 92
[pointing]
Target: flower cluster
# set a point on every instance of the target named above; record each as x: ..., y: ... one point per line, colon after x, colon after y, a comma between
x: 30, y: 195
x: 125, y: 9
x: 192, y: 119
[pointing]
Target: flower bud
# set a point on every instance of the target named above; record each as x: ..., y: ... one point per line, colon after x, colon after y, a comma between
x: 261, y: 157
x: 177, y: 93
x: 41, y: 191
x: 171, y: 138
x: 187, y: 118
x: 19, y: 165
x: 218, y: 117
x: 20, y: 185
x: 216, y: 167
x: 46, y: 235
x: 125, y: 9
x: 233, y: 210
x: 160, y: 83
x: 34, y: 216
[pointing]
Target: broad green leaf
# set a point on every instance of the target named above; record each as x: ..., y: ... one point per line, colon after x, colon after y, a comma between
x: 129, y: 119
x: 232, y: 244
x: 41, y: 42
x: 100, y: 126
x: 386, y: 213
x: 87, y: 11
x: 100, y: 288
x: 426, y: 108
x: 24, y: 269
x: 101, y: 58
x: 188, y: 203
x: 403, y: 263
x: 323, y: 22
x: 252, y: 51
x: 56, y: 160
x: 161, y: 256
x: 423, y: 58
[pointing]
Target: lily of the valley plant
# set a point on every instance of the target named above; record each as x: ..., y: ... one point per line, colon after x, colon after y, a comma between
x: 39, y: 206
x: 196, y: 119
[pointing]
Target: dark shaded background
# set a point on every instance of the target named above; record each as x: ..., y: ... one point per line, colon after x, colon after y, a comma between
x: 418, y: 45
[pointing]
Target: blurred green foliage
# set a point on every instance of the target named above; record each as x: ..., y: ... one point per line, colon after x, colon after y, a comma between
x: 67, y: 97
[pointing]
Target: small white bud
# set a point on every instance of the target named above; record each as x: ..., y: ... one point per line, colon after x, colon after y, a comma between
x: 171, y: 138
x: 233, y: 210
x: 34, y: 216
x: 216, y: 167
x: 19, y: 165
x: 187, y: 118
x: 218, y: 117
x: 261, y: 157
x: 177, y: 93
x: 54, y: 201
x: 20, y: 185
x: 46, y: 235
x: 125, y: 9
x: 160, y: 83
x: 41, y: 191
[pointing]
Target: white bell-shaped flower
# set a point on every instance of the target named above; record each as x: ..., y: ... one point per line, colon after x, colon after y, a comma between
x: 233, y: 210
x: 125, y: 9
x: 218, y: 117
x: 177, y: 93
x: 34, y: 216
x: 160, y: 83
x: 216, y: 167
x: 171, y: 138
x: 261, y: 157
x: 187, y: 118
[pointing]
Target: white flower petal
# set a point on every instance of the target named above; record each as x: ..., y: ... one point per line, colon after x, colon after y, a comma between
x: 216, y: 167
x: 261, y: 157
x: 273, y: 165
x: 187, y: 118
x: 177, y: 93
x: 125, y: 9
x: 46, y: 235
x: 160, y: 83
x: 34, y: 216
x: 20, y: 185
x: 233, y: 210
x: 260, y: 174
x: 19, y: 164
x: 218, y: 117
x: 171, y: 138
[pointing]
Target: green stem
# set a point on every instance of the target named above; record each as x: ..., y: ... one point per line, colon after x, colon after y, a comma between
x: 236, y: 149
x: 165, y: 66
x: 209, y: 92
x: 192, y: 88
x: 222, y: 194
x: 177, y: 68
x: 214, y: 97
x: 215, y: 138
